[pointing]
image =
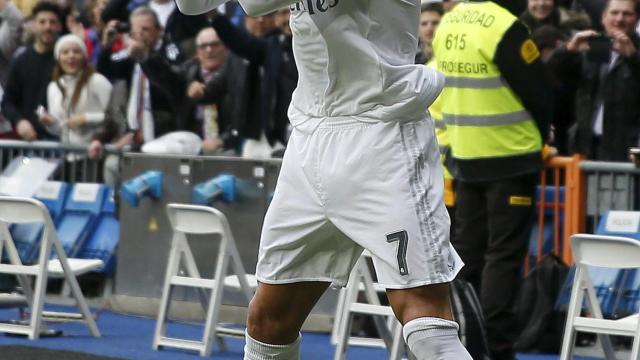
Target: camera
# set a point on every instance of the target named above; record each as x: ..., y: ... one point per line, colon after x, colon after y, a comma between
x: 123, y: 27
x: 599, y: 49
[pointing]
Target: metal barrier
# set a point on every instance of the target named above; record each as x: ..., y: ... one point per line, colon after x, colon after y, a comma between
x: 591, y: 188
x: 610, y: 186
x: 75, y: 166
x: 561, y: 174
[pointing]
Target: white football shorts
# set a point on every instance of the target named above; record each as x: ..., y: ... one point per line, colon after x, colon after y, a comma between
x: 346, y: 185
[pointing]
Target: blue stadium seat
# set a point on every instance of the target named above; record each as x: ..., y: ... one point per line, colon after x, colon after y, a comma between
x: 27, y: 236
x: 80, y: 215
x: 104, y: 240
x: 617, y: 290
x: 53, y: 194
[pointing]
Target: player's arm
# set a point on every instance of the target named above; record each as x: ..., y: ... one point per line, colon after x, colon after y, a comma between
x: 262, y: 7
x: 197, y: 7
x: 251, y: 7
x: 519, y: 62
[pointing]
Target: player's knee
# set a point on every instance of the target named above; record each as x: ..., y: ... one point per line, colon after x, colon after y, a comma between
x: 267, y: 325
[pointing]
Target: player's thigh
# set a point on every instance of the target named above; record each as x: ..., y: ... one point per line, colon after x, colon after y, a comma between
x: 288, y: 304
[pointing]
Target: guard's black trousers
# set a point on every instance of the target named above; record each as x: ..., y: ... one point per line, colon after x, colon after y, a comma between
x: 493, y: 223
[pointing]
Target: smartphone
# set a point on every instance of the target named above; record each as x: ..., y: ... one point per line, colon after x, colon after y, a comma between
x: 599, y: 49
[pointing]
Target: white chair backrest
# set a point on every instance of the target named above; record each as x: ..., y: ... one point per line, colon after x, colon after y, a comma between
x: 196, y: 219
x: 16, y: 210
x: 606, y: 251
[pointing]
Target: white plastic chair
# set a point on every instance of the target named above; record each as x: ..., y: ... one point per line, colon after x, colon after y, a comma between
x: 601, y: 251
x: 385, y: 321
x: 195, y: 219
x: 14, y: 210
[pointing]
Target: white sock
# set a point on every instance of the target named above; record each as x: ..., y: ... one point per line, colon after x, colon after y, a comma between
x: 256, y: 350
x: 431, y: 338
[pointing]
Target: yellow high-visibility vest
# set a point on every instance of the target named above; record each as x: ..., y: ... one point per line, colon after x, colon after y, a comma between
x: 484, y: 117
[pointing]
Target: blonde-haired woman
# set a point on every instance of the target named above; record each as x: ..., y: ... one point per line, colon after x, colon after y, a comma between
x: 77, y: 96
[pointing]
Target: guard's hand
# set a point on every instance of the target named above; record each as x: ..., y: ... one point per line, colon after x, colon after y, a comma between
x: 26, y: 130
x: 580, y: 40
x: 548, y: 152
x: 196, y: 90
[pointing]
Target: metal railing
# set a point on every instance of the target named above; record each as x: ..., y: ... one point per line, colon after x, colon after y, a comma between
x: 75, y: 166
x: 591, y: 188
x: 610, y: 186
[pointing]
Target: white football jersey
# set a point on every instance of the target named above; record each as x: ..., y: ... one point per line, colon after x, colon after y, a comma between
x: 356, y: 58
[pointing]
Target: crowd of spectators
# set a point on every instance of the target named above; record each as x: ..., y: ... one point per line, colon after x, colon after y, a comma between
x: 126, y: 72
x: 145, y: 70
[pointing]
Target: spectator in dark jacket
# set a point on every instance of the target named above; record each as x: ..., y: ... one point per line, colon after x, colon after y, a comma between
x: 608, y: 86
x: 548, y: 39
x: 271, y: 77
x: 30, y: 73
x: 187, y: 86
x: 150, y: 111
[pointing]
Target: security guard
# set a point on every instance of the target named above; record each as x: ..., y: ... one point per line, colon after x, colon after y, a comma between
x: 496, y: 104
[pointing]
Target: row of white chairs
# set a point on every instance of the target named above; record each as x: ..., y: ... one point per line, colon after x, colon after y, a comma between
x: 588, y: 250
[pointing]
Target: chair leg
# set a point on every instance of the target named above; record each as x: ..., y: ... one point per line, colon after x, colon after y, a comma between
x: 40, y: 288
x: 75, y: 289
x: 335, y: 330
x: 216, y: 298
x: 343, y: 338
x: 37, y: 306
x: 239, y: 270
x: 594, y: 307
x: 398, y: 346
x: 372, y: 297
x: 575, y: 306
x: 172, y: 269
x: 635, y: 348
x: 344, y: 325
